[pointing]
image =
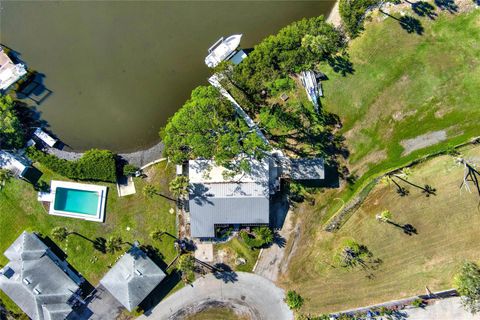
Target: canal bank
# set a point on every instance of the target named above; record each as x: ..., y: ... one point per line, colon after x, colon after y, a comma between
x: 119, y: 70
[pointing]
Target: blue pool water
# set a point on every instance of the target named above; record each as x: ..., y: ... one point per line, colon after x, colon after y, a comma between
x: 76, y: 201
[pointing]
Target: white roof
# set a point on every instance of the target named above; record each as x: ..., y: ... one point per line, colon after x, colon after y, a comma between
x: 9, y: 72
x: 206, y: 171
x: 10, y: 162
x: 42, y: 135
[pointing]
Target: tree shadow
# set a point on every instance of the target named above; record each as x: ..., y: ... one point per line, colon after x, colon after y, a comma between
x: 448, y: 5
x: 155, y: 254
x: 341, y: 64
x: 411, y: 25
x: 160, y: 292
x: 98, y: 244
x: 408, y: 229
x: 423, y: 9
x: 428, y: 190
x: 408, y: 23
x: 223, y: 272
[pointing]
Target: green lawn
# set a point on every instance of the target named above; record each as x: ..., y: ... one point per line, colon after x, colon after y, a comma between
x: 404, y: 85
x: 20, y: 210
x: 447, y: 227
x: 236, y: 248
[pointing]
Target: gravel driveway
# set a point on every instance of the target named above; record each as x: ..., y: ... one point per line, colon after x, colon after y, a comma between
x: 246, y: 293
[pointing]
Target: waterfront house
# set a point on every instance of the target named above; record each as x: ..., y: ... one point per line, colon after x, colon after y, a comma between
x: 41, y: 284
x: 219, y: 197
x: 132, y: 278
x: 9, y: 72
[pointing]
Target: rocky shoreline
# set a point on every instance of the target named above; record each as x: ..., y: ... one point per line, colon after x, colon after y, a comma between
x: 138, y: 158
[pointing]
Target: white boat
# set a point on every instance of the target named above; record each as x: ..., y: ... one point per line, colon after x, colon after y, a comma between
x: 9, y: 72
x: 222, y: 50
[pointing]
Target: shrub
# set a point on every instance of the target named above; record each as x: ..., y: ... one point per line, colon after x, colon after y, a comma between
x: 294, y: 300
x: 94, y: 165
x: 129, y: 170
x: 417, y: 303
x: 261, y: 236
x: 467, y: 283
x: 279, y: 85
x: 186, y: 264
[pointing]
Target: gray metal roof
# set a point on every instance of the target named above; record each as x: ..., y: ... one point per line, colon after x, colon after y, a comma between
x: 216, y: 198
x: 307, y: 169
x: 132, y: 278
x: 34, y: 280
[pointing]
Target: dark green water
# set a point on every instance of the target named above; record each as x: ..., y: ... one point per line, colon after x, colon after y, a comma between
x: 118, y: 70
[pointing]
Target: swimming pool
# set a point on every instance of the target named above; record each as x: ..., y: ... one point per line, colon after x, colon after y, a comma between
x: 78, y: 200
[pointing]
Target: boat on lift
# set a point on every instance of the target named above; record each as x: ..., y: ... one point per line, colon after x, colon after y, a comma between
x: 222, y: 50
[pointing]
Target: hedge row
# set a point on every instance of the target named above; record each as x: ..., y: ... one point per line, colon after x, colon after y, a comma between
x: 94, y: 165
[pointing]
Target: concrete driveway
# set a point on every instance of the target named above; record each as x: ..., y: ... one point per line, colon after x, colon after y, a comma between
x: 245, y: 293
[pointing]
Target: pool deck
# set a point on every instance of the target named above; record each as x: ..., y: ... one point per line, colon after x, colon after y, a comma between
x: 101, y: 190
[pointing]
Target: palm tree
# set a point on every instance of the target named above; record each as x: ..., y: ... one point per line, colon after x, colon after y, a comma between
x: 113, y: 244
x: 157, y: 235
x: 179, y: 186
x: 5, y: 176
x: 149, y: 191
x: 384, y: 216
x: 60, y: 233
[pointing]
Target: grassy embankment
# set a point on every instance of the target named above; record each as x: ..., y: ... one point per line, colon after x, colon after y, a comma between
x: 132, y: 218
x: 403, y: 86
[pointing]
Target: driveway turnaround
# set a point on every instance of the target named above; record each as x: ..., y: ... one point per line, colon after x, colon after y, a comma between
x: 245, y: 293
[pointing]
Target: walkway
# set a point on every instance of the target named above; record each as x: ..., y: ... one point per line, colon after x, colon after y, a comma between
x: 257, y: 296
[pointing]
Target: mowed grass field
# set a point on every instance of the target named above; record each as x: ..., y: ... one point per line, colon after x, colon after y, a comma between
x: 132, y: 218
x: 403, y: 86
x: 447, y: 226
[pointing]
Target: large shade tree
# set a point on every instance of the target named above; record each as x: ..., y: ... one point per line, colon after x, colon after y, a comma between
x: 208, y: 127
x: 11, y: 130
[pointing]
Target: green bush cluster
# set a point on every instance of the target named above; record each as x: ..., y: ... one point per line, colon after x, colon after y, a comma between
x: 281, y: 85
x: 260, y: 237
x: 352, y: 13
x: 294, y: 300
x: 94, y: 165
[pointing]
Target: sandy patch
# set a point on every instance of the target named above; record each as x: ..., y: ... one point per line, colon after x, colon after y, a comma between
x: 373, y: 157
x: 423, y: 141
x: 334, y: 16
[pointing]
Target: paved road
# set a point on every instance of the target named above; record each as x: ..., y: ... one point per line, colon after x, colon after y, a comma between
x: 446, y: 309
x: 245, y: 292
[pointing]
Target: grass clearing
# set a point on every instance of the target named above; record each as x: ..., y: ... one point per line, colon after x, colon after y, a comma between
x: 404, y: 86
x: 236, y: 248
x: 447, y: 227
x: 20, y: 210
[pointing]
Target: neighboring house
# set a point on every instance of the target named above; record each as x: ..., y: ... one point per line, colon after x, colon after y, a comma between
x: 9, y: 72
x: 218, y: 198
x: 132, y: 278
x: 41, y: 284
x: 19, y: 166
